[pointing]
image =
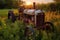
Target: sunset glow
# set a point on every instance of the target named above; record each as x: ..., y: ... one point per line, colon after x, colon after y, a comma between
x: 38, y: 1
x: 28, y: 3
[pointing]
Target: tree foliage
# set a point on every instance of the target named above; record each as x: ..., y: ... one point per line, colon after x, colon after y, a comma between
x: 50, y: 7
x: 57, y: 1
x: 10, y: 3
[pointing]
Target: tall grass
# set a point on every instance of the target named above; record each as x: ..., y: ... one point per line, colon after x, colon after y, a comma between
x: 15, y: 31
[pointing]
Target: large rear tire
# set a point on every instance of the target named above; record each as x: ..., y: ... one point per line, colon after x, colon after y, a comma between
x: 49, y: 26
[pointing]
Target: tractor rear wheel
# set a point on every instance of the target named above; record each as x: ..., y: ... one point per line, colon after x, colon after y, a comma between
x: 49, y: 26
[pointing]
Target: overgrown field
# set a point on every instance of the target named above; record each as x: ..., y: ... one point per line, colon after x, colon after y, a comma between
x: 4, y: 12
x: 15, y: 31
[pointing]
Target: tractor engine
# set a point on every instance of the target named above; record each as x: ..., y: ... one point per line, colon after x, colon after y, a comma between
x: 37, y: 17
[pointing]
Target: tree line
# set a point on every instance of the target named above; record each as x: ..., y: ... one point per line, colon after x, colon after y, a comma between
x: 10, y: 3
x: 50, y: 6
x: 16, y: 3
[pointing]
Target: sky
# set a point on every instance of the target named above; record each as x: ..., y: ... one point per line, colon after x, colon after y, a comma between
x: 39, y: 1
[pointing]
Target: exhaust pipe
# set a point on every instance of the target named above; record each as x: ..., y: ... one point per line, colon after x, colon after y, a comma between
x: 34, y: 5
